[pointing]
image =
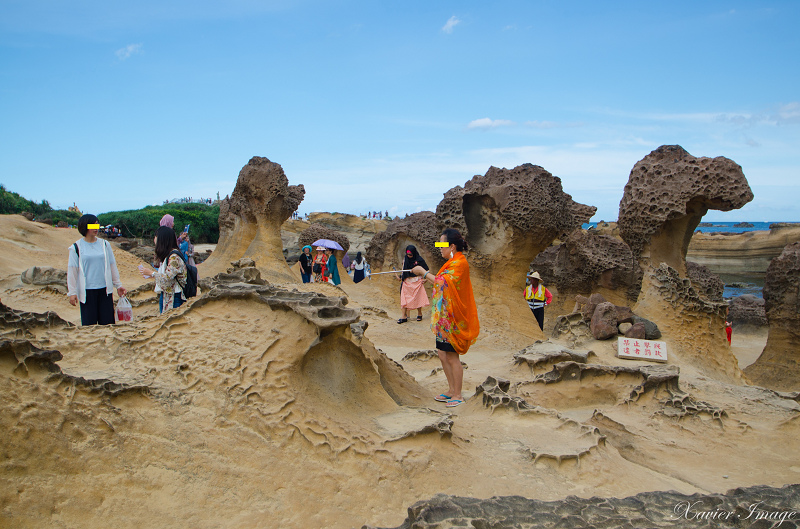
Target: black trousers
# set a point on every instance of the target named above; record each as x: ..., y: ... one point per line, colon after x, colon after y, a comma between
x: 98, y: 309
x: 539, y: 315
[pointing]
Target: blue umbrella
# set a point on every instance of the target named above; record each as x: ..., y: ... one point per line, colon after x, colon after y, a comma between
x: 327, y: 243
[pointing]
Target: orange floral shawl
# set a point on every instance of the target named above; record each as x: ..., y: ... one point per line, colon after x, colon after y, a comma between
x: 454, y: 316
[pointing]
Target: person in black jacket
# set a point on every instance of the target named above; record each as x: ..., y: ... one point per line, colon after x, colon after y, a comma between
x: 412, y: 288
x: 306, y: 260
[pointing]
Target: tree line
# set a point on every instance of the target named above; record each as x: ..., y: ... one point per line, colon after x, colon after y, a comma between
x: 134, y: 223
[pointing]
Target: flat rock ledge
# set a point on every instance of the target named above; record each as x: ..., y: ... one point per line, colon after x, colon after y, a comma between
x: 545, y: 353
x: 747, y: 508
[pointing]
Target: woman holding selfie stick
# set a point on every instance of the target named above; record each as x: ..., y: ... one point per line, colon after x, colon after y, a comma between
x: 454, y: 316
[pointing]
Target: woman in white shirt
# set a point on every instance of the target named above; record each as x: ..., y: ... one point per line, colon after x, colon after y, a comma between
x: 92, y: 275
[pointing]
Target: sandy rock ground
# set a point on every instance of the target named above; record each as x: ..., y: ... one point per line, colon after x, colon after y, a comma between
x: 241, y: 410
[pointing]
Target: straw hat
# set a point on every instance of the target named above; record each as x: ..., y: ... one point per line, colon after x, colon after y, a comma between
x: 535, y: 275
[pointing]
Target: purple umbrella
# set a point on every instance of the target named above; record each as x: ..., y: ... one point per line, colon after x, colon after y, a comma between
x: 327, y: 243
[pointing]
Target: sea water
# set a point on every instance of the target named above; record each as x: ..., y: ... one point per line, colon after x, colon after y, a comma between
x: 727, y: 227
x: 739, y: 284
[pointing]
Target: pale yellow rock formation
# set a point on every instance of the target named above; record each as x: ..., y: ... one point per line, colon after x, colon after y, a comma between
x: 250, y: 219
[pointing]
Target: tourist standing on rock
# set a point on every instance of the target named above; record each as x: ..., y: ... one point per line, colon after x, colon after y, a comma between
x: 333, y: 268
x: 454, y: 316
x: 92, y: 275
x: 359, y: 266
x: 537, y: 297
x: 412, y: 287
x: 728, y: 331
x: 320, y: 265
x: 306, y: 264
x: 172, y: 272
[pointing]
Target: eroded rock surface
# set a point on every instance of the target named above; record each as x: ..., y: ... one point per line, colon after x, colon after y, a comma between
x: 387, y: 248
x: 778, y: 367
x: 705, y: 282
x: 545, y: 354
x: 666, y: 196
x: 44, y: 275
x: 747, y: 311
x: 250, y: 219
x: 648, y: 509
x: 508, y: 216
x: 588, y: 262
x: 317, y: 231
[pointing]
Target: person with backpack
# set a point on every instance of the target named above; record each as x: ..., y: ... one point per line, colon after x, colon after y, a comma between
x: 92, y: 275
x: 171, y: 277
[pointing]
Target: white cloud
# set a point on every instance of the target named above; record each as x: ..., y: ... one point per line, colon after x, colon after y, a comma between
x: 448, y: 28
x: 541, y: 124
x: 789, y: 113
x: 127, y: 51
x: 486, y: 123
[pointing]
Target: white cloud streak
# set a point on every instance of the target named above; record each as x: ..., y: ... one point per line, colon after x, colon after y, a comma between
x: 487, y: 123
x: 126, y: 52
x: 451, y: 24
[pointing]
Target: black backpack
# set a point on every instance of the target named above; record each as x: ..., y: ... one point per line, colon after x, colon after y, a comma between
x: 190, y: 288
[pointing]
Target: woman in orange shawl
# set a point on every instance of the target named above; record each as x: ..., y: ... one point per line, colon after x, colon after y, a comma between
x: 454, y: 316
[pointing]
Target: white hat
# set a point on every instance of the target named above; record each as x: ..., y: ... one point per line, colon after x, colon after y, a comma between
x: 535, y: 275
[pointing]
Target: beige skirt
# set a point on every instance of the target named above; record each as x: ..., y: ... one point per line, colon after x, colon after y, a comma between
x: 412, y: 294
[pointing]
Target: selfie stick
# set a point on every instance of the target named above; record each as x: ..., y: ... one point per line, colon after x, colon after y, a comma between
x: 392, y: 272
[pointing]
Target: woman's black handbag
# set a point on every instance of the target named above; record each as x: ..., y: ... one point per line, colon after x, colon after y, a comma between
x: 317, y: 268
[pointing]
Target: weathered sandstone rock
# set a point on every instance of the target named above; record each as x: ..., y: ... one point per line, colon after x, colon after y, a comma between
x: 651, y: 331
x: 509, y: 216
x: 250, y: 219
x: 44, y: 275
x: 694, y: 325
x: 637, y: 330
x: 648, y: 509
x: 318, y: 231
x: 747, y: 311
x: 604, y: 321
x: 743, y: 253
x: 387, y: 248
x: 778, y: 367
x: 707, y: 283
x: 588, y: 262
x: 666, y: 196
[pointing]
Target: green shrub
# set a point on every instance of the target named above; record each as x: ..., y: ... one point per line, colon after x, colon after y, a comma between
x: 144, y: 222
x: 54, y: 216
x: 12, y: 203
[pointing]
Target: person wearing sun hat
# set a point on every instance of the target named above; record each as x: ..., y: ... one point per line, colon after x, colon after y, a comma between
x: 537, y: 297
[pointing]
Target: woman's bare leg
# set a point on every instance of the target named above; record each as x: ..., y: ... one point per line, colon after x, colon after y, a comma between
x: 446, y: 367
x: 456, y: 374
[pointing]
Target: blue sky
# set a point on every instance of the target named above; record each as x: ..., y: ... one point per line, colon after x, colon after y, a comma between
x: 377, y: 105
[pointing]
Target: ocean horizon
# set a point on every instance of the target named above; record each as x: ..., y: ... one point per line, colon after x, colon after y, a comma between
x: 726, y: 227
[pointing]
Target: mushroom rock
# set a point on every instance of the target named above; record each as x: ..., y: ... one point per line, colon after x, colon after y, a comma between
x: 509, y: 216
x: 250, y: 219
x: 587, y: 263
x: 387, y: 248
x: 666, y: 196
x: 778, y: 367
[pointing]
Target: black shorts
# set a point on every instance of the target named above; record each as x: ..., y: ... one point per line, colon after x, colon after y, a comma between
x: 444, y: 346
